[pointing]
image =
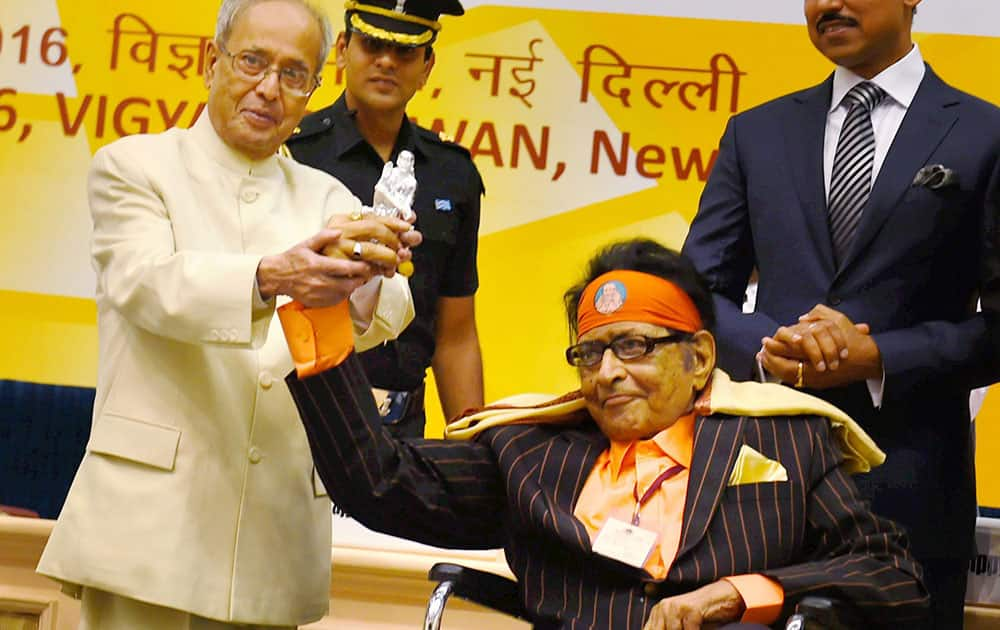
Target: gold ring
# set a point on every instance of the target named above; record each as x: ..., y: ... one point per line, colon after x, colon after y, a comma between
x: 356, y: 214
x: 798, y: 376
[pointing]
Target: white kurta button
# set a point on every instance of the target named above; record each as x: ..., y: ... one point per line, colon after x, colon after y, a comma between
x: 249, y: 195
x: 254, y: 455
x: 266, y: 380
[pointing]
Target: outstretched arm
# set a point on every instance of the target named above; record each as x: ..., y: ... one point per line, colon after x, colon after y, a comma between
x: 437, y: 492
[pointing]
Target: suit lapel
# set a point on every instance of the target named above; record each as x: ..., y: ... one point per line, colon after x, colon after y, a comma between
x: 716, y: 441
x: 927, y: 121
x: 566, y: 468
x: 804, y: 135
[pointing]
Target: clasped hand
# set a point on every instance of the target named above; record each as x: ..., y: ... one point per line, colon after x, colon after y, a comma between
x: 833, y: 350
x: 323, y: 270
x: 383, y: 242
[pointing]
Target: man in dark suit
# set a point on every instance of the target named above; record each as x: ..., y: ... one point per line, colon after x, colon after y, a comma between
x: 860, y: 202
x: 740, y: 510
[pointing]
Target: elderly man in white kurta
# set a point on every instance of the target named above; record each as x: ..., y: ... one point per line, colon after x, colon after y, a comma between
x: 196, y: 504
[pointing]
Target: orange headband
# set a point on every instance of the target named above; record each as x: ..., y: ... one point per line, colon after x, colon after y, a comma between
x: 623, y: 295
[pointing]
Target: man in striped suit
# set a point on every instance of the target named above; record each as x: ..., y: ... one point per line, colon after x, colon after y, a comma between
x: 671, y: 499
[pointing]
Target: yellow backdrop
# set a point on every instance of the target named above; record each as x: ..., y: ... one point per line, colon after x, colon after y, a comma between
x: 587, y: 127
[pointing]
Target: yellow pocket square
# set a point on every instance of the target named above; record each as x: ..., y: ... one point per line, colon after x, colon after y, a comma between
x: 752, y: 467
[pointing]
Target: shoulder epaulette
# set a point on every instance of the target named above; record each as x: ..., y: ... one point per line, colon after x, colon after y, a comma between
x: 442, y: 139
x: 314, y: 123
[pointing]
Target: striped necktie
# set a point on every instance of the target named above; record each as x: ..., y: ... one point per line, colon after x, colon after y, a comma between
x: 851, y: 182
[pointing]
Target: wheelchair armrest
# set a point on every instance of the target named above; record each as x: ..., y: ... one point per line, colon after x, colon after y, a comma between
x: 823, y: 613
x: 487, y: 589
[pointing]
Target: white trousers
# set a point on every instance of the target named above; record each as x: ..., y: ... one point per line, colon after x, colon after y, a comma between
x: 101, y: 610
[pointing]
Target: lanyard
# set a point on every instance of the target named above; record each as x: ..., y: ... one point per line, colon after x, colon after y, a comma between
x: 653, y: 487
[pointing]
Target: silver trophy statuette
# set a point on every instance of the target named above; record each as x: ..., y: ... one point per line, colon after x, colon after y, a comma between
x: 395, y: 189
x: 394, y: 195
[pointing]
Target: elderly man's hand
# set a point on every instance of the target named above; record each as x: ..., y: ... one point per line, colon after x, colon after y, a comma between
x: 305, y: 274
x: 834, y: 351
x: 384, y: 242
x: 710, y: 605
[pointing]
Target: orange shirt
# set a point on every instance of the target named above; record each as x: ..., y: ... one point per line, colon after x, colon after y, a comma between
x: 627, y: 470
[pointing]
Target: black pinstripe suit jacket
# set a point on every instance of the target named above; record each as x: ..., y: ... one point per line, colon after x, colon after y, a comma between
x: 516, y: 487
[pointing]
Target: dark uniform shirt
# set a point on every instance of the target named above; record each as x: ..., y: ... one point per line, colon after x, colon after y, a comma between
x: 447, y: 207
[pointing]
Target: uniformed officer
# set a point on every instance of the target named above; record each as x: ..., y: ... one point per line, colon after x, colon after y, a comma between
x: 386, y: 55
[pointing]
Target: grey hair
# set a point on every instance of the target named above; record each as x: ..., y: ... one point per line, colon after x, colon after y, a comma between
x: 231, y: 9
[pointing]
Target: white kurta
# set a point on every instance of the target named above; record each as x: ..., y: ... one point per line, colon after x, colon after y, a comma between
x: 197, y: 491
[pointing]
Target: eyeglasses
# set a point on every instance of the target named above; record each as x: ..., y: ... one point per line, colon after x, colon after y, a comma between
x: 254, y: 66
x: 626, y: 348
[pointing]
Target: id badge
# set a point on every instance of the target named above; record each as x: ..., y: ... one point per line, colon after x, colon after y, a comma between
x: 625, y: 542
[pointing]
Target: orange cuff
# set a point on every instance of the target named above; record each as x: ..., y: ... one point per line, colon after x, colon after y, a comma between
x: 763, y: 597
x: 318, y: 338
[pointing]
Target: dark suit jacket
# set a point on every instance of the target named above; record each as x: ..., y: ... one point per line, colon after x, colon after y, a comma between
x: 912, y: 274
x: 516, y: 487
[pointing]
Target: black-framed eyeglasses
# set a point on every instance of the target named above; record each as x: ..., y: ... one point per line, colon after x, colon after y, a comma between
x: 254, y: 66
x: 626, y: 348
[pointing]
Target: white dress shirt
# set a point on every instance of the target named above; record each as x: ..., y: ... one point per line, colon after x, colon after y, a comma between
x: 900, y: 82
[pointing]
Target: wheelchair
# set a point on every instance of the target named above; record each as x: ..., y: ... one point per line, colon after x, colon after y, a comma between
x: 500, y: 594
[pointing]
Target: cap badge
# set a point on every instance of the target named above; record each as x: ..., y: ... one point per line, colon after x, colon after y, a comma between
x: 610, y: 297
